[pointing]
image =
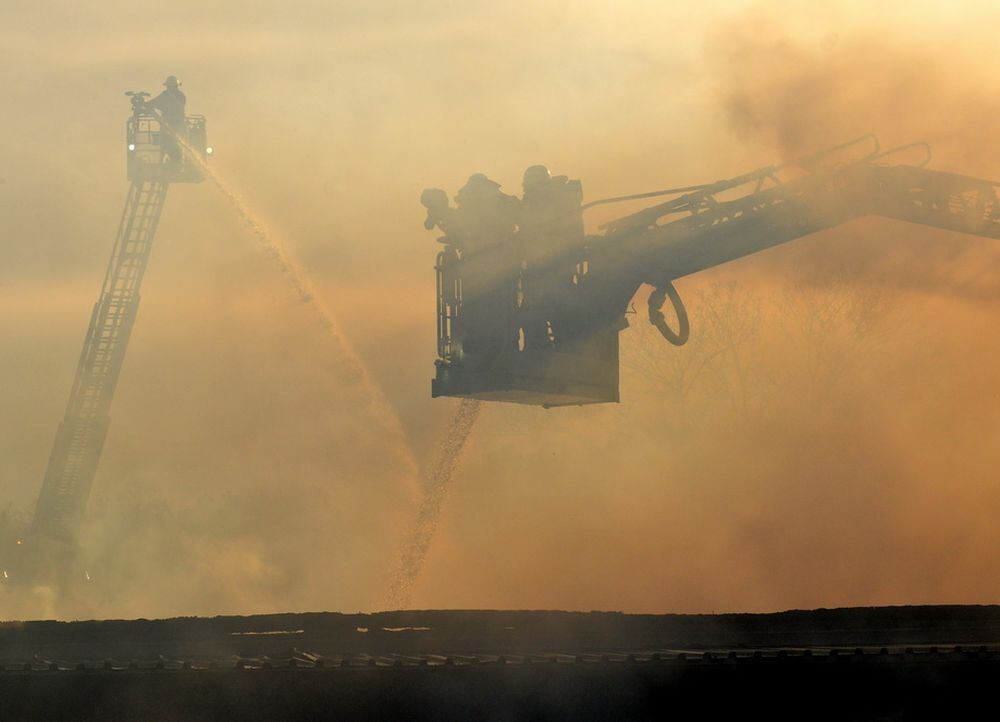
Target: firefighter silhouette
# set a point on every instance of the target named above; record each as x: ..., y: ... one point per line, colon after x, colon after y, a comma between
x: 171, y: 105
x: 550, y: 238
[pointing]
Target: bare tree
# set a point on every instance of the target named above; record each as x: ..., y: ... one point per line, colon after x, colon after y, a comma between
x: 836, y: 330
x: 724, y: 321
x: 732, y: 324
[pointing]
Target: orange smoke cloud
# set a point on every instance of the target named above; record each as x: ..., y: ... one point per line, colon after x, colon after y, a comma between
x: 828, y: 436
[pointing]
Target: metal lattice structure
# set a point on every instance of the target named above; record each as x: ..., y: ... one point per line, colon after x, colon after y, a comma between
x: 80, y: 438
x: 585, y: 284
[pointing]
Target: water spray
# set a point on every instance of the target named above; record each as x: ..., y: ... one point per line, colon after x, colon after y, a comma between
x: 306, y: 293
x: 437, y: 481
x: 436, y: 484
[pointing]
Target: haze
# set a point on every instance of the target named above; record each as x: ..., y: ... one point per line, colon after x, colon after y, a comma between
x: 829, y: 437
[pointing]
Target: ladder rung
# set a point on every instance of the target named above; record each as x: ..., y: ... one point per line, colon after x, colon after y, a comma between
x: 104, y: 351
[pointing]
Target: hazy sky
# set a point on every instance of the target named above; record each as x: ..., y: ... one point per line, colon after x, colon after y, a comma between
x: 854, y: 463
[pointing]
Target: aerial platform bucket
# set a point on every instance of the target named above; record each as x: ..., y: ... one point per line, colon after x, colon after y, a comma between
x: 583, y: 371
x: 539, y: 378
x: 150, y: 145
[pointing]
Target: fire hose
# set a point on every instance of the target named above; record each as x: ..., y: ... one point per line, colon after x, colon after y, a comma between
x: 656, y: 299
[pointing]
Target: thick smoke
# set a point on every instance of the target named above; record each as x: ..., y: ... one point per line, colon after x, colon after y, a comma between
x: 794, y: 94
x: 828, y: 436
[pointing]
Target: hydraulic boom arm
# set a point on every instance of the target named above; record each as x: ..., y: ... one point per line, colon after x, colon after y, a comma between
x: 640, y: 249
x: 529, y: 308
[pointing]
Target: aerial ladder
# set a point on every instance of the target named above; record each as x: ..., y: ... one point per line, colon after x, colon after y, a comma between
x: 80, y: 437
x: 575, y: 290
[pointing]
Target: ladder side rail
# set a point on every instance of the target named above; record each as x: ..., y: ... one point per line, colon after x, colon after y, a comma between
x: 159, y: 193
x: 938, y: 199
x: 81, y: 434
x: 92, y: 342
x: 131, y: 275
x: 120, y: 295
x: 127, y: 211
x: 47, y: 506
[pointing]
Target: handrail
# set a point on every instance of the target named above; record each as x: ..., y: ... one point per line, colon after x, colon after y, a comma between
x: 900, y: 148
x: 640, y: 196
x: 810, y: 160
x: 693, y: 200
x: 698, y: 192
x: 696, y: 196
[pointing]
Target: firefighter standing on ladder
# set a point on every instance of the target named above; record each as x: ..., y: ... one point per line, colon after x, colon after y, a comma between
x: 171, y: 104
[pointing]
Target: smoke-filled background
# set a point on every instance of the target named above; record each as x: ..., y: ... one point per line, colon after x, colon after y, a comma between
x: 829, y: 437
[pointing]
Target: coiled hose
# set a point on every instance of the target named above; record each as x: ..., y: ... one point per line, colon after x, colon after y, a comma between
x: 656, y: 300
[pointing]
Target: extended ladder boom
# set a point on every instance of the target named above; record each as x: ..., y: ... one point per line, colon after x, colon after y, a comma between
x: 158, y: 155
x: 80, y: 437
x: 637, y: 250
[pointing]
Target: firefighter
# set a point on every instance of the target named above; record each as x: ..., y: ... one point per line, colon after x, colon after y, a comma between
x: 550, y: 212
x: 441, y: 214
x: 551, y: 238
x: 535, y: 179
x: 486, y: 219
x: 487, y: 215
x: 171, y: 104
